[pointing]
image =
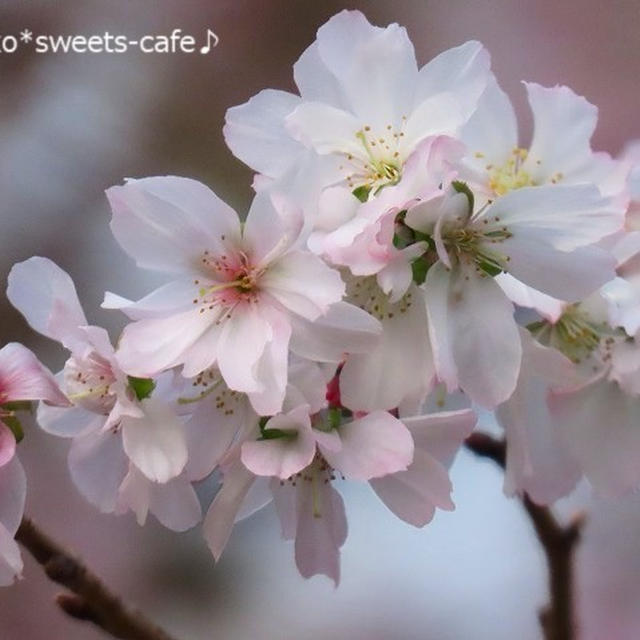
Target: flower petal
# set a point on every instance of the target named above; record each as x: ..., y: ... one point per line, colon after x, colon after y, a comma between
x: 156, y: 442
x: 166, y: 223
x: 373, y: 446
x: 255, y: 133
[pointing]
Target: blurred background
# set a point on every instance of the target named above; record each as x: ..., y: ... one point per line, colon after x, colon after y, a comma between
x: 72, y: 125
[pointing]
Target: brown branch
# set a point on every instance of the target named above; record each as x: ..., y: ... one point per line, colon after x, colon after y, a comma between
x: 558, y: 541
x: 90, y: 599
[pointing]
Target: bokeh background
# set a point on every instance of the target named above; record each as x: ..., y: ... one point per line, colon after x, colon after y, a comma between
x: 73, y: 124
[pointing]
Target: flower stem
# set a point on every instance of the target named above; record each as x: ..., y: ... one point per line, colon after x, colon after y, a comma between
x: 90, y: 599
x: 558, y: 541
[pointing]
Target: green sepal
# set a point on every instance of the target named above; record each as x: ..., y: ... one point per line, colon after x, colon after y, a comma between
x: 490, y: 269
x: 19, y: 405
x: 14, y: 425
x: 362, y: 192
x: 334, y: 417
x: 142, y: 387
x: 419, y: 268
x: 272, y: 434
x: 463, y: 187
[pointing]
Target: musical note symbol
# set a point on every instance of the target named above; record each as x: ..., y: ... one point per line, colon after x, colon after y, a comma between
x: 211, y: 37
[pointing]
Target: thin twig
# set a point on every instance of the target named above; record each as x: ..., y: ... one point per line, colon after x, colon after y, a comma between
x: 559, y: 543
x: 90, y: 599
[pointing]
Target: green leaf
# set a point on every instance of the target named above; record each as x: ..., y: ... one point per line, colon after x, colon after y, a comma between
x: 16, y: 428
x: 362, y: 193
x: 142, y: 387
x: 463, y: 187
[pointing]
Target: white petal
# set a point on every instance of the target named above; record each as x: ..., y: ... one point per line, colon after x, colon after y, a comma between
x: 255, y: 133
x: 46, y: 296
x: 563, y: 217
x: 599, y: 426
x: 67, y: 422
x: 475, y: 339
x: 563, y: 125
x: 156, y: 442
x: 222, y: 513
x: 400, y: 364
x: 525, y: 296
x: 378, y: 87
x: 166, y: 223
x: 315, y: 81
x: 462, y: 71
x: 345, y: 328
x: 212, y: 428
x: 537, y: 459
x: 492, y: 131
x: 98, y: 465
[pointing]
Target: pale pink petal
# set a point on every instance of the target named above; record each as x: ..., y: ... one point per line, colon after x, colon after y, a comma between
x: 149, y: 346
x: 311, y: 382
x: 461, y: 71
x: 46, y: 296
x: 98, y: 465
x: 475, y: 339
x: 414, y: 494
x: 13, y: 491
x: 373, y: 446
x: 562, y: 217
x: 212, y: 428
x: 170, y: 298
x: 272, y: 368
x: 563, y: 125
x: 255, y: 133
x: 242, y: 343
x: 10, y: 558
x: 67, y: 422
x: 598, y: 424
x: 175, y: 503
x: 538, y: 462
x: 441, y: 434
x: 491, y: 133
x: 7, y: 444
x: 166, y: 223
x: 222, y: 513
x: 524, y: 296
x: 378, y: 88
x: 282, y: 457
x: 345, y: 328
x: 155, y: 443
x: 321, y: 530
x: 399, y: 365
x: 258, y: 497
x: 438, y: 114
x: 23, y: 377
x: 285, y: 498
x: 303, y: 284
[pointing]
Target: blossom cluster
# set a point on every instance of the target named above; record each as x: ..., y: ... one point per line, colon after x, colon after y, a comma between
x: 405, y: 263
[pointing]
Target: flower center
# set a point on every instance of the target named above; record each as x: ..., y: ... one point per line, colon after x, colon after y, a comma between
x: 88, y: 383
x: 364, y: 292
x: 511, y: 175
x: 379, y: 163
